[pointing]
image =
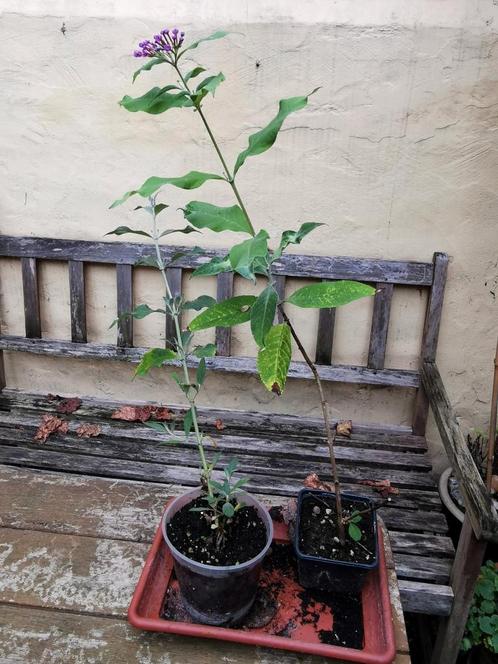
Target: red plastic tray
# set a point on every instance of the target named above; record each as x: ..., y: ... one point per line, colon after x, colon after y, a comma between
x: 379, y: 643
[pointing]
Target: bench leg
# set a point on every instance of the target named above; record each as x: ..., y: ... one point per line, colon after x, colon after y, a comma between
x: 468, y: 560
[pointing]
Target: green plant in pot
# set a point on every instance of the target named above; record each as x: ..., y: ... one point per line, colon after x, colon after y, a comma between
x: 218, y: 506
x: 481, y: 633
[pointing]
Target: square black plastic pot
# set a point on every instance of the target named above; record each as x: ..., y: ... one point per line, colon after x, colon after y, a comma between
x: 324, y: 573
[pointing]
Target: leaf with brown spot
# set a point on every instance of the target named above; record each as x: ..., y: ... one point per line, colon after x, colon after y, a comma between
x: 344, y: 428
x: 88, y: 430
x: 50, y: 424
x: 133, y: 413
x: 219, y: 424
x: 67, y: 406
x: 275, y: 388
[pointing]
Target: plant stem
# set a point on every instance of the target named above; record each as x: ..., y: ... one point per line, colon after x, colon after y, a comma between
x: 183, y: 357
x: 330, y: 431
x: 229, y: 176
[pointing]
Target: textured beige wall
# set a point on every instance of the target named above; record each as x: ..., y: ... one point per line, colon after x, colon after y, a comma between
x: 397, y: 153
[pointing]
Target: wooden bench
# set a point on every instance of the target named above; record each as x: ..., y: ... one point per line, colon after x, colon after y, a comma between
x: 276, y: 451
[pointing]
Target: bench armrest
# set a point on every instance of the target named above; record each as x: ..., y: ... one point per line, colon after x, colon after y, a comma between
x: 478, y: 504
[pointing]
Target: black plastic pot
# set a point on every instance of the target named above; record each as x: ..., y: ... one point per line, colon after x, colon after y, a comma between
x: 217, y: 595
x: 333, y: 575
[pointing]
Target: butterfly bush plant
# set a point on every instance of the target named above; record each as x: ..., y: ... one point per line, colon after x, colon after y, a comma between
x: 251, y: 258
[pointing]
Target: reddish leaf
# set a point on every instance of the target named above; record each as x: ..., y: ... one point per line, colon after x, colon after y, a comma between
x: 68, y: 405
x: 312, y: 481
x: 88, y: 430
x: 219, y: 424
x: 344, y: 428
x: 162, y: 413
x: 50, y: 424
x: 381, y: 486
x: 133, y: 413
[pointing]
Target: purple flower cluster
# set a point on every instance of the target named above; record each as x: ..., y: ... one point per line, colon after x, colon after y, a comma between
x: 167, y: 41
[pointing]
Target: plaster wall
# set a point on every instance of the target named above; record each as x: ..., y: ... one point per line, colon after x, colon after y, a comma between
x: 397, y: 153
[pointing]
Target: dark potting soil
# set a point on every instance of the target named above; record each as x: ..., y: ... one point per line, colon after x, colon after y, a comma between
x: 190, y: 532
x: 282, y: 606
x: 319, y: 533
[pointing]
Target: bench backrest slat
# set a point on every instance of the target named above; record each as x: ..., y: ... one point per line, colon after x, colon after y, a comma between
x: 77, y: 300
x: 380, y: 326
x: 174, y: 276
x: 32, y: 317
x: 124, y: 288
x: 224, y: 290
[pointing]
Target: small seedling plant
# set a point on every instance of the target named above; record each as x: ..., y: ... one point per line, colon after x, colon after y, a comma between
x: 482, y: 623
x: 251, y: 258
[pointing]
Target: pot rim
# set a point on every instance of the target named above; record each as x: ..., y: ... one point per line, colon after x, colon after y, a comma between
x: 445, y: 495
x: 332, y: 561
x: 265, y: 515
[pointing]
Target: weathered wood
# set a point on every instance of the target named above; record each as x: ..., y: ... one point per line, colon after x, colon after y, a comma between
x: 430, y: 336
x: 325, y: 336
x: 32, y: 318
x: 279, y: 281
x: 293, y: 265
x: 243, y: 365
x: 174, y: 277
x: 77, y: 299
x: 256, y: 423
x: 420, y: 597
x: 380, y: 326
x: 224, y: 290
x: 422, y: 545
x: 124, y: 286
x: 74, y: 573
x: 468, y: 560
x: 479, y: 506
x: 417, y: 568
x: 32, y: 636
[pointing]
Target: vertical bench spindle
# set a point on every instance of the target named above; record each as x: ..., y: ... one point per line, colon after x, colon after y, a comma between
x: 77, y: 298
x: 125, y: 304
x: 325, y: 336
x: 174, y: 276
x: 380, y: 326
x: 224, y: 290
x: 31, y: 298
x: 279, y: 280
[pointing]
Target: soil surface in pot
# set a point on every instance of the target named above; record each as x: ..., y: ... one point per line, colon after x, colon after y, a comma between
x: 319, y: 533
x: 283, y: 608
x: 190, y: 532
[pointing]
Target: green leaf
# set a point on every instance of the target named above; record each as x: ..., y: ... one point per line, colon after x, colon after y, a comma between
x: 265, y: 138
x: 186, y: 230
x: 188, y: 421
x: 231, y: 467
x: 239, y: 483
x: 209, y: 350
x: 228, y: 510
x: 295, y: 237
x: 205, y: 215
x: 329, y: 294
x: 148, y: 66
x: 139, y: 312
x: 486, y: 625
x: 123, y: 230
x: 242, y: 255
x: 230, y: 312
x: 157, y: 100
x: 147, y: 261
x: 157, y: 426
x: 263, y: 314
x: 155, y: 357
x: 201, y: 372
x: 192, y: 180
x: 199, y: 303
x: 216, y: 35
x: 274, y: 358
x: 210, y: 83
x: 159, y: 208
x: 193, y: 73
x: 354, y: 532
x: 213, y: 267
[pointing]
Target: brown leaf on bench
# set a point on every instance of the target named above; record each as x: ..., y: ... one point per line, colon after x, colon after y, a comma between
x: 50, y: 424
x: 162, y: 414
x: 133, y: 413
x: 88, y: 430
x: 312, y: 481
x: 219, y: 424
x: 67, y: 406
x: 383, y: 487
x: 344, y: 428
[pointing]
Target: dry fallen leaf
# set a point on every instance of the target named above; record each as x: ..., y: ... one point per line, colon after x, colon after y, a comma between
x: 381, y: 486
x: 50, y: 424
x: 88, y: 430
x: 68, y: 405
x: 162, y: 413
x: 133, y: 413
x: 312, y: 481
x: 219, y: 424
x: 344, y: 428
